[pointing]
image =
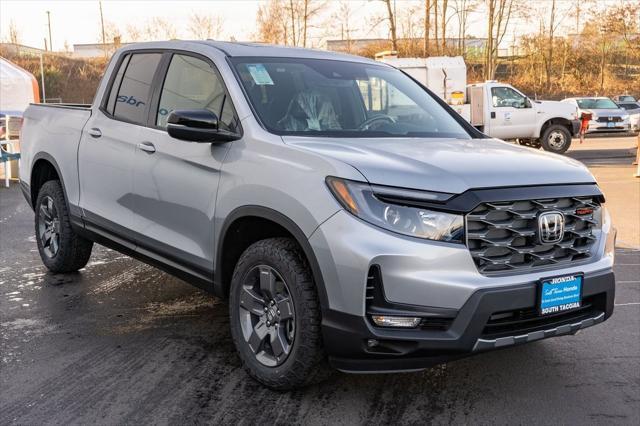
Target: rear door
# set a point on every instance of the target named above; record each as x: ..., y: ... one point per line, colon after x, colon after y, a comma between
x: 511, y: 114
x: 108, y: 145
x: 175, y: 181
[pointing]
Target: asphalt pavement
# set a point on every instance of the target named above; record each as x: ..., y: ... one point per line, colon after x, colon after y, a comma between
x: 121, y: 342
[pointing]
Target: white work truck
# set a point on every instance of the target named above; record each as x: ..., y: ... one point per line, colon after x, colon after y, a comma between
x: 497, y: 109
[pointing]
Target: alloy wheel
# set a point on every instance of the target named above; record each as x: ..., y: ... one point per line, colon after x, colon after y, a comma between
x: 267, y: 316
x: 49, y: 227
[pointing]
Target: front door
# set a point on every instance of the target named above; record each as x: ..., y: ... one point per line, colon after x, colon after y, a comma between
x: 512, y: 115
x: 175, y: 181
x: 108, y: 145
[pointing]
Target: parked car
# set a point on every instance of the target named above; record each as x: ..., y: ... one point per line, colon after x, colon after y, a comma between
x: 633, y: 109
x: 607, y: 116
x: 624, y: 98
x: 277, y: 178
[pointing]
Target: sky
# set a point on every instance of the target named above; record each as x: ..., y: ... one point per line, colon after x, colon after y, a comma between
x: 78, y: 21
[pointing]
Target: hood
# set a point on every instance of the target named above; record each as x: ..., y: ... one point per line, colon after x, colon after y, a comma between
x: 447, y: 165
x: 612, y: 112
x: 557, y: 108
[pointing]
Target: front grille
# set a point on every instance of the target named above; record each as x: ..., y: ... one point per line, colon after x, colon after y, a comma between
x: 528, y: 320
x: 503, y: 236
x: 607, y: 119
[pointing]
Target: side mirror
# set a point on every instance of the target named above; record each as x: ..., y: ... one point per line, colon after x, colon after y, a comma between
x: 197, y: 125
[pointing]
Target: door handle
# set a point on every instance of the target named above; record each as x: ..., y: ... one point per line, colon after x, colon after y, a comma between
x: 147, y: 147
x: 95, y: 132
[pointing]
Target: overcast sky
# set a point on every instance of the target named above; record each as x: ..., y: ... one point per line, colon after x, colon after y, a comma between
x: 78, y: 21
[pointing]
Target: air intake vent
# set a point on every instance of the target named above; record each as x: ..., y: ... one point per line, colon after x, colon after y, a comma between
x: 374, y: 285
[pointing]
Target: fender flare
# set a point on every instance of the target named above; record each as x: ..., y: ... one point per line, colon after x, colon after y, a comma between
x: 47, y: 157
x: 286, y: 223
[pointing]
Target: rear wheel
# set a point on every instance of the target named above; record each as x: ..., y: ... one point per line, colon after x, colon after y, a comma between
x: 275, y: 315
x: 556, y: 138
x: 60, y: 248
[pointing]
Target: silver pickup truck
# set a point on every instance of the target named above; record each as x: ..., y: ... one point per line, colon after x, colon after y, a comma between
x: 350, y: 217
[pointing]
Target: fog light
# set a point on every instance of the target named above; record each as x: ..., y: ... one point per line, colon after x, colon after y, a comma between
x: 388, y: 321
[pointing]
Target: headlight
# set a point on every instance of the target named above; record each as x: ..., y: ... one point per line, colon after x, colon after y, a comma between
x: 625, y: 117
x: 364, y: 201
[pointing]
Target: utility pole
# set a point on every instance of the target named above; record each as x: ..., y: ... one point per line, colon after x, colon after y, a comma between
x: 104, y: 46
x: 49, y: 23
x: 44, y: 93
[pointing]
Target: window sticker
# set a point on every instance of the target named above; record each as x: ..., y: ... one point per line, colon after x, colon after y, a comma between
x: 260, y: 74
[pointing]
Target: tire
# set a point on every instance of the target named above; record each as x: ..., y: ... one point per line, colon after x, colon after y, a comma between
x: 60, y: 248
x: 556, y: 139
x: 275, y: 269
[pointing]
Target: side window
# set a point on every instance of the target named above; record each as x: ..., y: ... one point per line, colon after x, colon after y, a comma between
x: 113, y: 94
x: 192, y: 83
x: 135, y: 89
x: 507, y: 97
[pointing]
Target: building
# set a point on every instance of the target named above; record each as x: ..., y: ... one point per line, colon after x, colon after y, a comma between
x: 95, y: 50
x: 19, y: 49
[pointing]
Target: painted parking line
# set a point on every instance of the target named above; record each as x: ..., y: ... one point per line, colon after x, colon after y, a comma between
x: 627, y: 282
x: 626, y: 304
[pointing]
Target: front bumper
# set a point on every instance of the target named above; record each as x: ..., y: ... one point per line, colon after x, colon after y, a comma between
x: 348, y: 338
x: 440, y: 283
x: 603, y: 127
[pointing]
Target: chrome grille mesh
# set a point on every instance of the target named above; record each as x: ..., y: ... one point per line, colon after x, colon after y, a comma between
x: 503, y: 236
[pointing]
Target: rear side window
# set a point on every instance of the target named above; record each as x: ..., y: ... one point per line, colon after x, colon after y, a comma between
x: 192, y: 83
x: 113, y: 95
x: 134, y: 93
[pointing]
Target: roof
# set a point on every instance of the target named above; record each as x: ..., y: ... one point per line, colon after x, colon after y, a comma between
x: 273, y: 50
x: 244, y: 49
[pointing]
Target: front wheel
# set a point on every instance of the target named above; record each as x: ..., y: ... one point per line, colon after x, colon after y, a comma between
x: 275, y: 315
x: 556, y: 139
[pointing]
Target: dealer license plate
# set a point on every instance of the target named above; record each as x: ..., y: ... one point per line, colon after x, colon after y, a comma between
x: 560, y: 294
x: 611, y: 124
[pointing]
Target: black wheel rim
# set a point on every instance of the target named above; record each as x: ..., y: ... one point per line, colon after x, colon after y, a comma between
x: 49, y: 227
x: 267, y: 317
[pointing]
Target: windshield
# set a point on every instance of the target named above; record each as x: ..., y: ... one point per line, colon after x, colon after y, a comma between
x: 597, y: 103
x: 334, y: 98
x: 630, y: 107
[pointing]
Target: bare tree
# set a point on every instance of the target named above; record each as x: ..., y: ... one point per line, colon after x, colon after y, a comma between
x: 270, y: 22
x: 312, y: 8
x: 342, y: 19
x: 461, y: 9
x: 134, y: 33
x: 287, y: 21
x: 499, y: 14
x: 14, y: 33
x: 444, y: 22
x: 555, y: 19
x: 409, y: 29
x: 203, y: 27
x: 427, y: 27
x: 159, y: 29
x: 392, y: 24
x: 112, y: 38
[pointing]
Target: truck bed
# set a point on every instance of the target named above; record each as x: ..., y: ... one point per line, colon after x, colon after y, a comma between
x: 53, y: 132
